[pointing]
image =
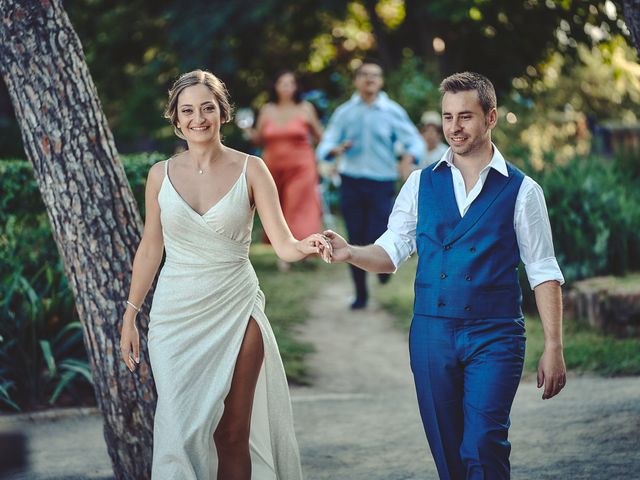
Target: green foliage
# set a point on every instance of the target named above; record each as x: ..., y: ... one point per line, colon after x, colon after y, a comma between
x: 560, y: 102
x: 135, y: 49
x: 414, y: 85
x: 594, y: 210
x: 40, y: 338
x: 42, y: 350
x: 137, y: 166
x: 500, y: 38
x: 41, y: 347
x: 20, y: 194
x: 585, y: 350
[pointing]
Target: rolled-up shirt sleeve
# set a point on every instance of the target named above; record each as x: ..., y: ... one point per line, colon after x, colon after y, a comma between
x: 533, y: 231
x: 399, y: 241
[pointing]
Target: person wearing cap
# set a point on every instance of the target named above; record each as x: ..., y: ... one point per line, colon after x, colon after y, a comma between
x: 364, y: 132
x: 431, y: 130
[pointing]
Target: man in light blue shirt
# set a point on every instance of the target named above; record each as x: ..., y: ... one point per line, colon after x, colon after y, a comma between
x: 363, y: 133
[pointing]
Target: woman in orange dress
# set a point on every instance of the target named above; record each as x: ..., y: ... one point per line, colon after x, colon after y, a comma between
x: 286, y: 128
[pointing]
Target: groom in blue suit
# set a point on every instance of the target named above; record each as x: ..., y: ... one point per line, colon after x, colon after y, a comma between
x: 471, y: 217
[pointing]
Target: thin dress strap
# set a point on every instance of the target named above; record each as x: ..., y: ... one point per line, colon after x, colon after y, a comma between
x: 166, y: 167
x: 246, y: 162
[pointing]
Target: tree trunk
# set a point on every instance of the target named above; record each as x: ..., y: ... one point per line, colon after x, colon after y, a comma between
x: 93, y: 215
x: 632, y: 19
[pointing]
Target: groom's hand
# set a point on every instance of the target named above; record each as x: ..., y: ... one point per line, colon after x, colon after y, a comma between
x: 341, y: 251
x: 552, y: 373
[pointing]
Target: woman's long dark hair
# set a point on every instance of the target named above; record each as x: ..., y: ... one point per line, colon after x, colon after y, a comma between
x: 273, y: 96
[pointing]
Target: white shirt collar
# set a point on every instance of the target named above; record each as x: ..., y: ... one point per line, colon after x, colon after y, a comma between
x: 497, y: 161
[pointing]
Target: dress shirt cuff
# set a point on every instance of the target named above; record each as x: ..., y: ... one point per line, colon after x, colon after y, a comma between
x: 397, y: 249
x: 542, y: 271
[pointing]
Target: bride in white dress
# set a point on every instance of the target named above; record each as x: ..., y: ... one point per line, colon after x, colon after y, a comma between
x: 223, y: 406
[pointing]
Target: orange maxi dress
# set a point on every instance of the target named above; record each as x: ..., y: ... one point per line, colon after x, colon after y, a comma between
x: 291, y: 160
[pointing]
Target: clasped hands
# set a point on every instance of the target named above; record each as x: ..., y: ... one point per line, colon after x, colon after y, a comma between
x: 330, y: 246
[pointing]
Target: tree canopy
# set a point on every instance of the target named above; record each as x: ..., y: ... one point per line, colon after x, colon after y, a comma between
x: 135, y: 48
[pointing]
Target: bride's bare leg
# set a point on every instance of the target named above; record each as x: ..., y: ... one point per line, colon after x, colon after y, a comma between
x: 232, y: 434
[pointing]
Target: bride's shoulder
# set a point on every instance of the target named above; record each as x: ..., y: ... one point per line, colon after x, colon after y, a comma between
x: 256, y: 169
x: 158, y: 170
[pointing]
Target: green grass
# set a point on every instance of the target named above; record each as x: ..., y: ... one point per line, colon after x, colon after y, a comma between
x: 585, y: 350
x: 287, y: 297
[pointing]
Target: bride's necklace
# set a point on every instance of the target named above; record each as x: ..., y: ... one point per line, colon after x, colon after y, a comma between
x: 200, y: 170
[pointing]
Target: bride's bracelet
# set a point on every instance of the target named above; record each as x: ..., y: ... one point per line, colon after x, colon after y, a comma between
x: 137, y: 309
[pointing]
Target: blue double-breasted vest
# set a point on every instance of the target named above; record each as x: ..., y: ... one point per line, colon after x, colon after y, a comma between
x: 468, y: 266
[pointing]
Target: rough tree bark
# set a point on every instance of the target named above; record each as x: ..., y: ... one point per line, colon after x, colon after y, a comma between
x: 632, y: 19
x: 94, y: 218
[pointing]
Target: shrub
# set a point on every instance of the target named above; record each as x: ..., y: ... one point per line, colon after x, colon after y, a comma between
x: 41, y: 345
x: 594, y: 210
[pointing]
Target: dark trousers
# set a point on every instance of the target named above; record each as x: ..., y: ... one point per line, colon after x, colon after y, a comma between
x: 365, y: 205
x: 466, y: 374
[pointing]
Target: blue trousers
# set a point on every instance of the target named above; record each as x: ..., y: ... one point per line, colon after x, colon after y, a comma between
x: 466, y: 374
x: 365, y: 205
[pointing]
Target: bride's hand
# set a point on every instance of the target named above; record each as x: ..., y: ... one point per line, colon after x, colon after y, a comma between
x: 130, y: 343
x: 315, y: 244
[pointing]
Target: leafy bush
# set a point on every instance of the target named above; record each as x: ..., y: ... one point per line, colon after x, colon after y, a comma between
x: 594, y: 210
x: 42, y: 355
x: 414, y: 85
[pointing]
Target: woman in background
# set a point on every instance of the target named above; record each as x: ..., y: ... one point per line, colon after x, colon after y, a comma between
x: 286, y: 128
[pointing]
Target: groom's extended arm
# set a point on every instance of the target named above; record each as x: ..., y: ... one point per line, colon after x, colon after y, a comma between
x: 395, y: 245
x: 372, y: 258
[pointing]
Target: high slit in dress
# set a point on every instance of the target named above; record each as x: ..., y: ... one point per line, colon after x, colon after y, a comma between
x: 206, y: 293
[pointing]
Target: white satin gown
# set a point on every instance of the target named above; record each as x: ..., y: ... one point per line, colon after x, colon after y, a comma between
x: 206, y: 293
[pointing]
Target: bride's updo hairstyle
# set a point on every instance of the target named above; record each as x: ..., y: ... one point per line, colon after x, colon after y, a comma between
x: 209, y: 80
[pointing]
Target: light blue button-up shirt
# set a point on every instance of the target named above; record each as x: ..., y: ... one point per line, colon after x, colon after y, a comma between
x: 373, y: 130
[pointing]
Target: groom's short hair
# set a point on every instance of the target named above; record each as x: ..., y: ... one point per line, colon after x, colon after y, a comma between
x: 466, y: 81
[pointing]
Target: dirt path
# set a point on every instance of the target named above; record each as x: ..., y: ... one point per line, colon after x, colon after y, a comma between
x: 359, y: 421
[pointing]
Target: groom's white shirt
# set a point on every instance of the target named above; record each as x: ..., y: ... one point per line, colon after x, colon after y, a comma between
x: 530, y: 220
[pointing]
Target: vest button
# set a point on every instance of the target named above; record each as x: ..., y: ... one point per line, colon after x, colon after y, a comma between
x: 441, y: 304
x: 467, y: 308
x: 443, y: 276
x: 468, y: 278
x: 447, y: 247
x: 472, y: 249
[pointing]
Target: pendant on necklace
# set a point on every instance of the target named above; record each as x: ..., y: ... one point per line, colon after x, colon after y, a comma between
x: 200, y: 172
